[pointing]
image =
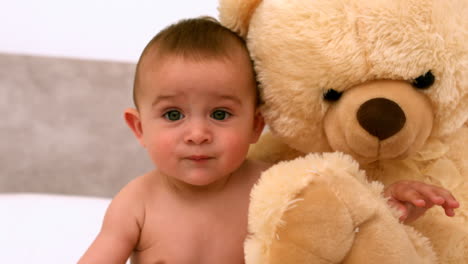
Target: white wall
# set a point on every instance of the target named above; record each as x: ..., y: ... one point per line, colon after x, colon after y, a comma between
x: 96, y: 29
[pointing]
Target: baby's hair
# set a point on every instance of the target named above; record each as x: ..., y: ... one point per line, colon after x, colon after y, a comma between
x: 196, y: 39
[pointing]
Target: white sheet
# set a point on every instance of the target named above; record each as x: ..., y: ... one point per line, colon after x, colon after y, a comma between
x: 49, y: 229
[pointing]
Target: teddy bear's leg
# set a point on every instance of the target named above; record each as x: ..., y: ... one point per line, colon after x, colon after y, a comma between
x: 333, y: 218
x: 450, y: 247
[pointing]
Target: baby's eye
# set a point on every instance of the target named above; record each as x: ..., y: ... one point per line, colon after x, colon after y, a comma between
x: 173, y: 115
x: 220, y: 115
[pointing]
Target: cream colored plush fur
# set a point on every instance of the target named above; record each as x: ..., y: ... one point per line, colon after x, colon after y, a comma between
x: 372, y: 53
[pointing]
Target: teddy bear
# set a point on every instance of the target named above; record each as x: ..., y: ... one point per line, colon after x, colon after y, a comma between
x: 357, y: 94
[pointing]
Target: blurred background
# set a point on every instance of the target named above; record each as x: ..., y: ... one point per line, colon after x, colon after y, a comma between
x: 104, y: 29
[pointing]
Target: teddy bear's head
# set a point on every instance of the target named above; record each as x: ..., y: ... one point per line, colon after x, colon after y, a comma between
x: 373, y: 78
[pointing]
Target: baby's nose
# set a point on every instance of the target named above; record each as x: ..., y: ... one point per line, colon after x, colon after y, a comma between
x: 198, y: 133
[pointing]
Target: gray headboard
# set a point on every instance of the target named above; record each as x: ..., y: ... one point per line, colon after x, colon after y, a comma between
x: 62, y: 128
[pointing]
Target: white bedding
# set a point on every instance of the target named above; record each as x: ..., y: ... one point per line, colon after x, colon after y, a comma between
x: 49, y: 229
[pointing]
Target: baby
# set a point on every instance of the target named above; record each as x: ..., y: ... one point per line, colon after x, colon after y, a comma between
x: 197, y: 114
x: 196, y: 98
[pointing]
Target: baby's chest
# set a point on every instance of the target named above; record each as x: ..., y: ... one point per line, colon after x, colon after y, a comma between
x: 188, y: 239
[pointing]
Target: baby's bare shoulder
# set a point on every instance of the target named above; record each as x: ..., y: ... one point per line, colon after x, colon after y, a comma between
x: 134, y: 194
x: 138, y: 186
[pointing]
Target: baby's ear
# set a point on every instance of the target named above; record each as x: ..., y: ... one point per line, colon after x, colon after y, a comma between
x: 132, y: 117
x: 259, y: 125
x: 236, y: 14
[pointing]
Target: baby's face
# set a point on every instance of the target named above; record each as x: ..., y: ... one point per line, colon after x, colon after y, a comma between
x: 198, y: 117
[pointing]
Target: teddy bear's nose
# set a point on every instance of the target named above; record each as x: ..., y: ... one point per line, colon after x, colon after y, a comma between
x: 381, y: 117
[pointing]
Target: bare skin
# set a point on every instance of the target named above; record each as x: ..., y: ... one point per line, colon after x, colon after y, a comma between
x: 414, y: 198
x: 198, y: 225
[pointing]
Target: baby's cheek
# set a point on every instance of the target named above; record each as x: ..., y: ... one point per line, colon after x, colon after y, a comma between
x: 161, y: 148
x: 236, y: 146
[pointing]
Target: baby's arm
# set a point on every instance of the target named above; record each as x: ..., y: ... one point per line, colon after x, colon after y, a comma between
x: 119, y: 233
x: 414, y: 198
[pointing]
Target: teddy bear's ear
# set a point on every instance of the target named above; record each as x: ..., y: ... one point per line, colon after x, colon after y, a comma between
x: 236, y: 14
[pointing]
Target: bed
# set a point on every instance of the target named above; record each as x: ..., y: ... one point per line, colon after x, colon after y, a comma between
x: 48, y: 228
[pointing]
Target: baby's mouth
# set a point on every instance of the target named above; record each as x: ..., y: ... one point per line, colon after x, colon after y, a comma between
x: 199, y: 158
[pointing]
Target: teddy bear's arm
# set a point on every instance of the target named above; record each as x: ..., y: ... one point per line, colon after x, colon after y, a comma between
x: 320, y: 209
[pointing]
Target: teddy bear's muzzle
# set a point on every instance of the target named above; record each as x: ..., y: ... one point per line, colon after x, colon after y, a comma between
x: 379, y: 120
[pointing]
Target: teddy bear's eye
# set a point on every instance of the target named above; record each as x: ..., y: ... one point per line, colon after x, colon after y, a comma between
x: 332, y: 95
x: 424, y: 81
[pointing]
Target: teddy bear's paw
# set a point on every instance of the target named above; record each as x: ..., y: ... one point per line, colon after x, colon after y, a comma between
x: 295, y: 216
x: 279, y: 187
x: 315, y: 228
